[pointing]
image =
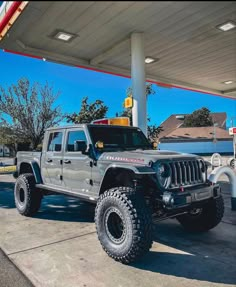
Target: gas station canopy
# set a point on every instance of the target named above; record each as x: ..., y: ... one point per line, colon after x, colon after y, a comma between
x: 187, y: 44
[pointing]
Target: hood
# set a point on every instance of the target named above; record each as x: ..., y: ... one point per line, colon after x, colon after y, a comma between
x: 143, y: 157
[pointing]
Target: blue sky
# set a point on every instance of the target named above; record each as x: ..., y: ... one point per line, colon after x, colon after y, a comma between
x: 75, y: 83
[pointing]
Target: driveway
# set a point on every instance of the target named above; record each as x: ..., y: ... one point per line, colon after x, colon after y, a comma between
x: 59, y: 247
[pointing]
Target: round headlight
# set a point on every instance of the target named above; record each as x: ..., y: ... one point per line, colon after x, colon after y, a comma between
x: 163, y: 174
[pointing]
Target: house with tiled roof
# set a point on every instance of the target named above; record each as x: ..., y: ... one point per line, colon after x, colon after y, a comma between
x: 199, y: 140
x: 176, y: 121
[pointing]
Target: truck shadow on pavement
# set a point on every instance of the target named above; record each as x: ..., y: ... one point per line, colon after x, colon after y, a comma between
x: 63, y: 208
x: 193, y: 267
x: 7, y: 195
x: 53, y: 207
x: 208, y: 256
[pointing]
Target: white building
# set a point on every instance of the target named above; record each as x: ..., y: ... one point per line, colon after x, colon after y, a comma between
x: 4, y: 151
x: 199, y: 140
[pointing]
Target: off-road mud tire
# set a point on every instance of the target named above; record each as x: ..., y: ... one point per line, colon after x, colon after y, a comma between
x: 209, y: 217
x: 27, y: 197
x: 135, y: 217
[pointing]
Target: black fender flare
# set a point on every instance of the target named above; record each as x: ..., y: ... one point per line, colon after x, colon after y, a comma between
x: 35, y: 168
x: 137, y: 170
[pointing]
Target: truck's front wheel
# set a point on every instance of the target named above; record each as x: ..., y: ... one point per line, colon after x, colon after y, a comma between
x: 27, y: 197
x: 205, y: 218
x: 124, y: 224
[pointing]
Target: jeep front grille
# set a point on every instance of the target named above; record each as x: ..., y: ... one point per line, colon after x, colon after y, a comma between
x: 184, y: 173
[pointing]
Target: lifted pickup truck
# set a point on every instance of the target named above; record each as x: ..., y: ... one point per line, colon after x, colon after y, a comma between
x: 132, y: 184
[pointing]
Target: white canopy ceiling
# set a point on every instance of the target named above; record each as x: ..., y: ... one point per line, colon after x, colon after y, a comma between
x: 191, y: 51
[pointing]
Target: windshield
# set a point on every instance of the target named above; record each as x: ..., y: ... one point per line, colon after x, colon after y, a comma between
x: 119, y: 138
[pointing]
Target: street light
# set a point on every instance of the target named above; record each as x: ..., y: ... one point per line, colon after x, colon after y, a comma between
x: 214, y: 132
x: 232, y: 121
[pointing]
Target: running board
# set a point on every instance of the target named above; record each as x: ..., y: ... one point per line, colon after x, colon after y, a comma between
x: 66, y: 192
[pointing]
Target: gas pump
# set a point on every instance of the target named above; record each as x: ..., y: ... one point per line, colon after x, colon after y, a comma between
x: 232, y: 132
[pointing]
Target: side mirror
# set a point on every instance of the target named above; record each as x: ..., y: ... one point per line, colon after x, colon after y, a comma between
x: 80, y: 146
x: 99, y: 145
x: 154, y: 145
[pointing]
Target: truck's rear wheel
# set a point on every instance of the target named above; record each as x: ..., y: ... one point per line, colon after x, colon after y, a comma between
x: 205, y: 218
x: 124, y: 224
x: 27, y: 197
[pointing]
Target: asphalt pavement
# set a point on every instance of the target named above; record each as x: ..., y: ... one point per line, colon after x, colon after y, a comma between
x: 59, y: 247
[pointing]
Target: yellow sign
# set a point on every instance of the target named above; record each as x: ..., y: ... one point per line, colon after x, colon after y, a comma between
x: 128, y: 102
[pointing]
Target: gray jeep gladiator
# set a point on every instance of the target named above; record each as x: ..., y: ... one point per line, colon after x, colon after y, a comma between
x: 132, y: 185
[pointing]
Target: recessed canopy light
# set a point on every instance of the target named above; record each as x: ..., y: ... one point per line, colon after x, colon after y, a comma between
x: 149, y: 60
x: 63, y: 36
x: 227, y: 26
x: 228, y: 82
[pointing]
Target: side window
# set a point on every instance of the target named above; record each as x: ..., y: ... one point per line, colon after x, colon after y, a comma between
x: 137, y: 138
x: 74, y: 136
x: 55, y: 141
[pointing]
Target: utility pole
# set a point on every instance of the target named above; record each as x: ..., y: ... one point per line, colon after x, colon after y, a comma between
x: 214, y: 135
x: 234, y: 143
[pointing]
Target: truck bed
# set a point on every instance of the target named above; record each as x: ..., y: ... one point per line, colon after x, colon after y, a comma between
x: 29, y: 156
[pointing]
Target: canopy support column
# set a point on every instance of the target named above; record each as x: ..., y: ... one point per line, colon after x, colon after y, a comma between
x: 139, y: 111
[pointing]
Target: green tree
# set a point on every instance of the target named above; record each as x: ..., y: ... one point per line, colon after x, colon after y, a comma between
x: 88, y: 112
x: 152, y: 130
x: 199, y: 118
x: 26, y: 111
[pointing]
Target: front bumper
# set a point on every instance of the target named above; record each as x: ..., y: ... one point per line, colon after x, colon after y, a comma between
x: 189, y: 197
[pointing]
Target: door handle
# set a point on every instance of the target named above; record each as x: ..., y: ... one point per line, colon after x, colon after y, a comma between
x: 89, y: 163
x: 67, y: 161
x: 49, y: 160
